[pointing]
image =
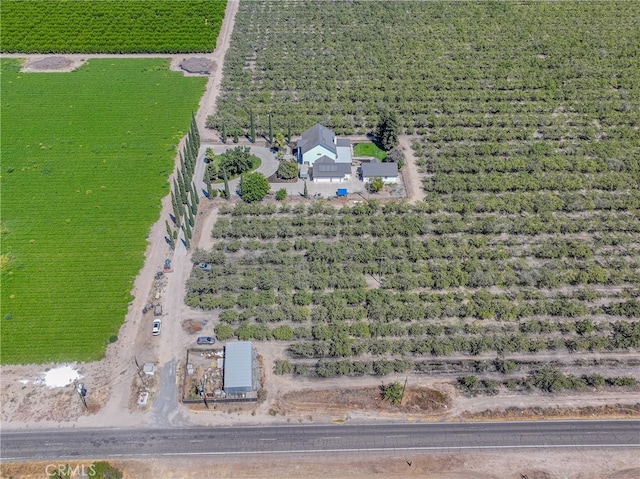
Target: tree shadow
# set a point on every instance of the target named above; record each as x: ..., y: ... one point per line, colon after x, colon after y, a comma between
x: 375, y: 141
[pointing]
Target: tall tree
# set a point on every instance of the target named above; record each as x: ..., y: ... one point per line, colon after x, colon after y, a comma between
x: 176, y: 214
x: 387, y: 130
x: 270, y: 131
x: 252, y: 128
x: 194, y: 194
x: 169, y: 232
x: 194, y: 127
x: 227, y: 192
x: 207, y: 182
x: 183, y: 188
x: 174, y: 202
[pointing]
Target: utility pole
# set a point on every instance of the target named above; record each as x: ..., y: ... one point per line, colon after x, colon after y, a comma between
x: 138, y: 368
x: 403, y: 388
x: 82, y: 392
x: 204, y: 393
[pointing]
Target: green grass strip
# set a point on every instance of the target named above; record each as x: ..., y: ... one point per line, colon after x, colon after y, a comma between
x: 369, y: 149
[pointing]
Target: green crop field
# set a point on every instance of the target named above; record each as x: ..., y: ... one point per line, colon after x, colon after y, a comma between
x: 85, y: 161
x: 110, y: 26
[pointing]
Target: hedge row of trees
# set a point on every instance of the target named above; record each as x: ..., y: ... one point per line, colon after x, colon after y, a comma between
x: 360, y: 338
x: 412, y: 225
x: 470, y: 366
x: 184, y: 195
x: 460, y: 202
x: 547, y: 379
x: 444, y: 183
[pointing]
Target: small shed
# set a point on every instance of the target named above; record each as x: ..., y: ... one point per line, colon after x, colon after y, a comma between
x: 238, y: 367
x: 388, y: 171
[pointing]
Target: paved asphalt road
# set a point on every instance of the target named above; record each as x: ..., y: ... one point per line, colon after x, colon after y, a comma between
x: 113, y: 443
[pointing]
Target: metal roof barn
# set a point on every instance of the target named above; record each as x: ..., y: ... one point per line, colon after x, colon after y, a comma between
x: 238, y: 367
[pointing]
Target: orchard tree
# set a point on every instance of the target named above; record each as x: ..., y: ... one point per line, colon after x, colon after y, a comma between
x: 468, y: 383
x: 253, y: 187
x: 387, y: 130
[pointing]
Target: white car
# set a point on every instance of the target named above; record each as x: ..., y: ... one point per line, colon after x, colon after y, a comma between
x: 156, y: 326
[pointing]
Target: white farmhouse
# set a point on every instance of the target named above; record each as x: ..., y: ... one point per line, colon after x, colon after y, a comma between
x: 330, y: 155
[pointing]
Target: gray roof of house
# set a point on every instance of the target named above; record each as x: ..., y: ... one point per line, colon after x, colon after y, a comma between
x: 317, y: 135
x: 379, y: 168
x: 325, y: 167
x: 343, y: 141
x: 238, y: 366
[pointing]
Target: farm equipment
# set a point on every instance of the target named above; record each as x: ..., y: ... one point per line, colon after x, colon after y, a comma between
x: 167, y: 266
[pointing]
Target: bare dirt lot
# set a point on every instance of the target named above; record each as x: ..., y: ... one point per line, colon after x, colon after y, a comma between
x: 506, y: 464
